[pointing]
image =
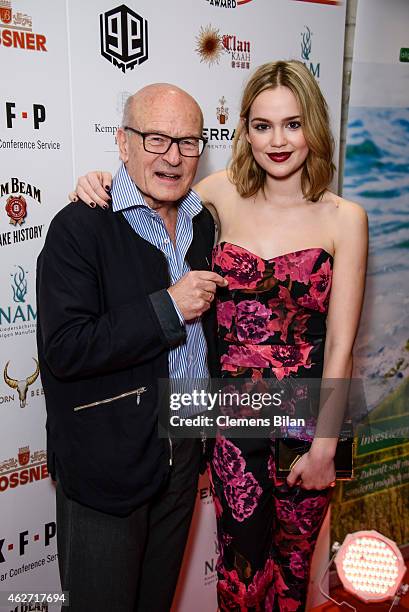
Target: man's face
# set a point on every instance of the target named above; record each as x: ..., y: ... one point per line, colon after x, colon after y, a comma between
x: 163, y: 177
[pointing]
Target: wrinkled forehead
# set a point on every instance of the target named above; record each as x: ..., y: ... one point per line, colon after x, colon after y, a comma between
x: 176, y: 117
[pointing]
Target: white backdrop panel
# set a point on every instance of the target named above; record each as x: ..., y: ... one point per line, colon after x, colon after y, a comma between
x: 79, y: 96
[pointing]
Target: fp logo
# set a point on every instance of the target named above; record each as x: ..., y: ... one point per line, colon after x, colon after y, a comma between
x: 124, y: 37
x: 37, y: 115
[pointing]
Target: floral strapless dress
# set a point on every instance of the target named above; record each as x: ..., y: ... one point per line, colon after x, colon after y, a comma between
x: 271, y: 324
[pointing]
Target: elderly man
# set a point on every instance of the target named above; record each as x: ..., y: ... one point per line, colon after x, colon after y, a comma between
x: 124, y: 299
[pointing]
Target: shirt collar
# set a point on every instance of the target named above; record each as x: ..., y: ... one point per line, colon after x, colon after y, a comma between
x: 125, y: 194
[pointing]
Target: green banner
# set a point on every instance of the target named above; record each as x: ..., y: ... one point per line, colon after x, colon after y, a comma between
x: 381, y: 434
x: 377, y: 477
x: 404, y: 54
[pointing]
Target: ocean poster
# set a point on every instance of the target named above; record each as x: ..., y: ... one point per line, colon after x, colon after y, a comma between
x: 376, y: 176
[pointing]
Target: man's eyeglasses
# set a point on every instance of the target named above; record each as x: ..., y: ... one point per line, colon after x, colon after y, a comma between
x: 189, y: 146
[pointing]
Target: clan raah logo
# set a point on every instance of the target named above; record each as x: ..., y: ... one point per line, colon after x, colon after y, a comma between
x: 21, y: 386
x: 220, y: 137
x: 229, y: 4
x: 124, y: 37
x: 18, y: 318
x: 211, y: 46
x: 16, y: 193
x: 16, y: 30
x: 306, y: 47
x: 24, y: 469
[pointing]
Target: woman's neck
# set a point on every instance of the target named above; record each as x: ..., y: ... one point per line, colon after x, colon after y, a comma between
x: 280, y: 192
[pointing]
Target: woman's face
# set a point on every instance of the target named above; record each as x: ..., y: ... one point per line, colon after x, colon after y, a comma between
x: 275, y: 133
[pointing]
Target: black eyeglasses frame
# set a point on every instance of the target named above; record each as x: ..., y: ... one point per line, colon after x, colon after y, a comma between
x: 172, y: 140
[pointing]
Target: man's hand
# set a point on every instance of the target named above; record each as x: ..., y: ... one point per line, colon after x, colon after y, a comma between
x: 195, y: 291
x: 93, y: 188
x: 313, y: 472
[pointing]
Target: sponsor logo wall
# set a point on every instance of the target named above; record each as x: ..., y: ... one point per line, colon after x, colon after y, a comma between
x: 68, y: 68
x: 35, y: 173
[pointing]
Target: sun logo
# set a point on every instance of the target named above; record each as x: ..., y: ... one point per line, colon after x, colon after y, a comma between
x: 209, y: 45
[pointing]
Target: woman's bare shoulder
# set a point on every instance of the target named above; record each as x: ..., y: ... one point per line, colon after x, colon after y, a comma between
x: 348, y: 221
x: 213, y: 186
x: 343, y: 209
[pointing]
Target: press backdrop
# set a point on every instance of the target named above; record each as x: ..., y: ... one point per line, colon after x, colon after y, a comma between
x: 67, y: 69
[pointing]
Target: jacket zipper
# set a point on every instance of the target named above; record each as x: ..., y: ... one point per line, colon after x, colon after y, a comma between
x: 169, y: 284
x: 138, y: 392
x: 170, y: 451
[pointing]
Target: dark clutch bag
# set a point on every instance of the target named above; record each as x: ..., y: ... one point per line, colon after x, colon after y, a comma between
x: 289, y: 450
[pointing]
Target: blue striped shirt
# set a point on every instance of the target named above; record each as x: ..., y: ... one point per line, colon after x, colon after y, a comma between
x: 188, y: 360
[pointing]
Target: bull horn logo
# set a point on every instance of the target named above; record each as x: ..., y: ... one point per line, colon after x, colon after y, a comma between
x: 21, y: 385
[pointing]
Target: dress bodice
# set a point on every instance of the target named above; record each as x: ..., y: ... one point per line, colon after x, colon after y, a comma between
x: 272, y: 316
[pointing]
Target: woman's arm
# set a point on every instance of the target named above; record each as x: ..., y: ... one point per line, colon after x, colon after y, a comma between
x: 209, y: 190
x: 316, y: 468
x: 94, y: 189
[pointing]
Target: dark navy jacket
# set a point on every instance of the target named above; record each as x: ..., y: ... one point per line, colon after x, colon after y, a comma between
x: 105, y: 326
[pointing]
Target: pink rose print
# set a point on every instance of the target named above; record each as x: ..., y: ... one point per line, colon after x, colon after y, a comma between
x: 298, y: 564
x: 279, y: 584
x: 245, y: 356
x: 225, y: 313
x: 296, y: 266
x: 251, y: 321
x: 304, y: 517
x: 300, y: 326
x: 288, y: 358
x: 242, y: 269
x: 318, y: 295
x: 288, y: 604
x: 232, y: 592
x: 284, y: 309
x: 242, y: 494
x: 227, y: 459
x: 260, y: 584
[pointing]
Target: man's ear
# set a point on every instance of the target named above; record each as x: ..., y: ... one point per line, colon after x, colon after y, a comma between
x: 122, y: 140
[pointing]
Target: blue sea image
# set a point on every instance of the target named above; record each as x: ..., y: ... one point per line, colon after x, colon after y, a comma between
x: 377, y: 177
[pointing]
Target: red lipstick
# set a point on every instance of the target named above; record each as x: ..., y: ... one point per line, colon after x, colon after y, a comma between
x: 279, y: 157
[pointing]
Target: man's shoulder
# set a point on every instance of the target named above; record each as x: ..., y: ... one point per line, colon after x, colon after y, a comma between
x: 79, y: 216
x: 204, y: 218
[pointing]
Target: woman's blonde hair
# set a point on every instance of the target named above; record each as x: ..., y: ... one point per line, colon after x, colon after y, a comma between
x: 318, y: 170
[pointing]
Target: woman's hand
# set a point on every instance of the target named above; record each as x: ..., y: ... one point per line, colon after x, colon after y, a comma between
x: 93, y: 188
x: 313, y: 472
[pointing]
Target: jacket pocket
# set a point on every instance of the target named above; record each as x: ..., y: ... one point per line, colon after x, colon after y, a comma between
x: 138, y: 392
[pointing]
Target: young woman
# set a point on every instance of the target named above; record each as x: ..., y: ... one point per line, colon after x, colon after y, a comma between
x: 295, y: 257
